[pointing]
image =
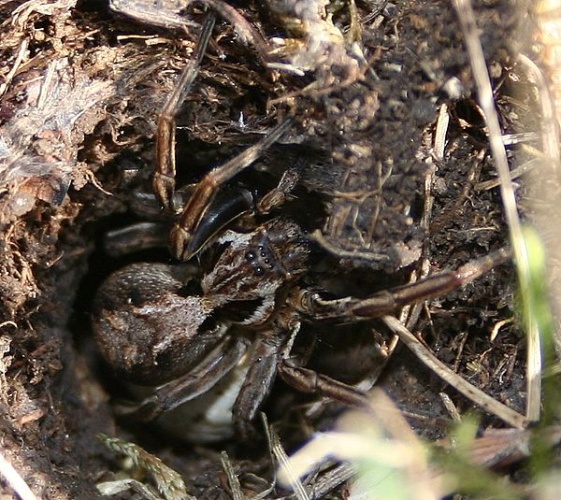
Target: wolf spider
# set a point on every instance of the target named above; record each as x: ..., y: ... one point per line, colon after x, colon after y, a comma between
x: 218, y: 339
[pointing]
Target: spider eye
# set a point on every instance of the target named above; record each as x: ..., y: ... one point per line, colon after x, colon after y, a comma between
x: 250, y: 256
x: 259, y: 271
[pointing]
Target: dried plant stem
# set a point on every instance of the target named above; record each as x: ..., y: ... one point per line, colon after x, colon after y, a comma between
x: 22, y: 54
x: 473, y: 44
x: 13, y: 478
x: 460, y: 384
x: 550, y: 130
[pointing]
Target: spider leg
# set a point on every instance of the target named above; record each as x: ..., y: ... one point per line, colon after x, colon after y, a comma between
x: 184, y: 240
x: 230, y: 203
x: 271, y: 347
x: 199, y: 380
x: 271, y: 356
x: 136, y: 237
x: 256, y: 386
x: 164, y: 177
x: 245, y: 32
x: 187, y: 237
x: 278, y: 195
x: 311, y: 382
x: 350, y: 309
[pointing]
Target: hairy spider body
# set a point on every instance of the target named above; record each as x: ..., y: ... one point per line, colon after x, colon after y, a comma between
x: 211, y: 342
x: 217, y: 340
x: 159, y: 335
x: 152, y: 331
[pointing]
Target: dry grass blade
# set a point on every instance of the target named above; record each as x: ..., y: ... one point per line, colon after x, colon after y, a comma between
x: 289, y: 475
x: 167, y: 481
x: 550, y: 134
x: 471, y: 392
x: 486, y: 100
x: 390, y: 460
x: 233, y: 481
x: 13, y: 478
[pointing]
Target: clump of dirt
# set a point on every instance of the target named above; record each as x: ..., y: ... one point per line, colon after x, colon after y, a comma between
x: 81, y: 87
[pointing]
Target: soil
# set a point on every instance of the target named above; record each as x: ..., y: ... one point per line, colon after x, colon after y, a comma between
x: 81, y: 87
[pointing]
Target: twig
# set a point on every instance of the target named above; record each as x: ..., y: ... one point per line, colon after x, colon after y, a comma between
x: 470, y: 391
x: 473, y: 44
x: 22, y: 53
x: 13, y: 478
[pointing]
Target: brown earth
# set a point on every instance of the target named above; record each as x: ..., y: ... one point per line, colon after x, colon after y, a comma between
x: 80, y: 92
